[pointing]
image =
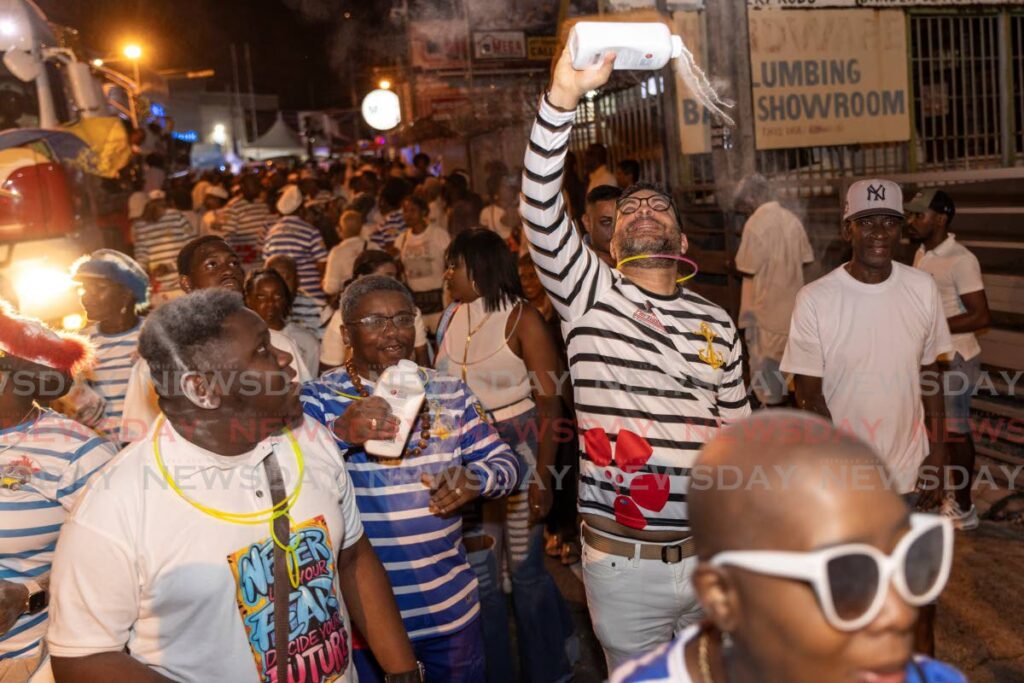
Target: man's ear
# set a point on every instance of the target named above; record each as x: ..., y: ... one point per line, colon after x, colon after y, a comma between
x: 718, y: 596
x: 199, y: 391
x: 585, y: 219
x: 346, y: 336
x: 684, y: 243
x: 186, y: 283
x: 846, y: 232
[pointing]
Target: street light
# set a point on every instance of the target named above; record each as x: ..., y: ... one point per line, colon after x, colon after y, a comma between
x: 97, y: 63
x: 384, y: 84
x: 134, y: 52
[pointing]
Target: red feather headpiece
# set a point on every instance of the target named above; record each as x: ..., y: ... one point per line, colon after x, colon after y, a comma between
x: 31, y: 340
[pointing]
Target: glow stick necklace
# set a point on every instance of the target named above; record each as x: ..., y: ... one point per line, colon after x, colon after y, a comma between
x: 672, y: 257
x: 268, y: 515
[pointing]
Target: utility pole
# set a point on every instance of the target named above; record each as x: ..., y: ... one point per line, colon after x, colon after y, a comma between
x: 730, y: 60
x: 252, y: 93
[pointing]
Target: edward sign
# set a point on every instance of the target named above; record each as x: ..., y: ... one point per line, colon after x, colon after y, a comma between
x: 832, y: 77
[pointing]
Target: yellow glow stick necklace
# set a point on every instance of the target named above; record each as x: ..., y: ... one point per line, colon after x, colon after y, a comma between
x: 268, y: 515
x: 665, y: 256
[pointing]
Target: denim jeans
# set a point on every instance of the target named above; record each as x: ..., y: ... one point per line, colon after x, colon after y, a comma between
x: 453, y: 658
x: 544, y: 625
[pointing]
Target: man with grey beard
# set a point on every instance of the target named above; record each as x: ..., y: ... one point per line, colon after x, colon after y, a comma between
x: 655, y: 369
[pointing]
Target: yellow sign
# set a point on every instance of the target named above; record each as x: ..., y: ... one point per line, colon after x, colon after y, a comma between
x: 694, y: 119
x: 828, y: 77
x: 541, y: 48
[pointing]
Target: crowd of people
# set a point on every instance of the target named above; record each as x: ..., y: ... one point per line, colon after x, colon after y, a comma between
x: 210, y: 441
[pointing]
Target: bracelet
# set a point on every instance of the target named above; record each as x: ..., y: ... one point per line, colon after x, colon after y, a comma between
x: 417, y: 675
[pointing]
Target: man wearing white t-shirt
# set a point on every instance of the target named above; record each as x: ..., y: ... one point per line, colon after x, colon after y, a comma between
x: 958, y: 275
x: 170, y: 565
x: 771, y: 256
x: 863, y: 339
x: 421, y: 249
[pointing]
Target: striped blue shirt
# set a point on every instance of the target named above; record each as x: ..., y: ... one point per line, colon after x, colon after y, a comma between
x: 157, y: 245
x: 294, y: 237
x: 44, y: 465
x: 115, y: 355
x: 388, y: 231
x: 245, y: 225
x: 422, y: 553
x: 667, y: 664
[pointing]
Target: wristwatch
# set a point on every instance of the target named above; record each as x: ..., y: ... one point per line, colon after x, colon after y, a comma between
x: 37, y: 600
x: 417, y: 675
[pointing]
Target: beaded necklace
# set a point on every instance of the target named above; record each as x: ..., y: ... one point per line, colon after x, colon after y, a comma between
x: 425, y: 420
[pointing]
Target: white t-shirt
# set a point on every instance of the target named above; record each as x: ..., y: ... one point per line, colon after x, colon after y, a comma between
x: 956, y: 271
x: 422, y: 256
x: 773, y: 249
x: 868, y: 343
x: 340, y: 261
x: 307, y: 344
x: 138, y: 566
x: 333, y: 351
x: 491, y: 218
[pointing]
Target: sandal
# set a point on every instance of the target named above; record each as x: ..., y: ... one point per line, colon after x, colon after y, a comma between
x: 552, y: 545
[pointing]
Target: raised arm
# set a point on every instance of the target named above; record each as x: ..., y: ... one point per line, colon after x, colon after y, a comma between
x: 572, y: 274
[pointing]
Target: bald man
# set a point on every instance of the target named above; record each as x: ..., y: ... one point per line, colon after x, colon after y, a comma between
x: 772, y: 498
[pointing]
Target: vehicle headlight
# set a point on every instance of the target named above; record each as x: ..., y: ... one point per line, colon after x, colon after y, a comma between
x: 39, y: 285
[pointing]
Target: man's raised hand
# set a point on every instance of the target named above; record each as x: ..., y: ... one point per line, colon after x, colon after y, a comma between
x: 569, y: 84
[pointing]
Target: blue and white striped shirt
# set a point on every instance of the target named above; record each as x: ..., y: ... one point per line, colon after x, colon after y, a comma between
x: 115, y: 355
x: 388, y: 231
x: 294, y: 237
x: 245, y: 225
x: 157, y: 244
x: 422, y: 553
x: 44, y: 465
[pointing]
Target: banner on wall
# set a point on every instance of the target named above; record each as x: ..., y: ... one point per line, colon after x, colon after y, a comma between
x: 694, y: 120
x: 879, y: 4
x: 833, y: 77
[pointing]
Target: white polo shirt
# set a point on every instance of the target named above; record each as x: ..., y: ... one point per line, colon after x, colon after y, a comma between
x: 868, y: 343
x: 138, y: 566
x: 956, y: 271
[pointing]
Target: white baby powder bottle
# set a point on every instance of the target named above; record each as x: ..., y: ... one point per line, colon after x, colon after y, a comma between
x: 637, y: 45
x: 401, y: 386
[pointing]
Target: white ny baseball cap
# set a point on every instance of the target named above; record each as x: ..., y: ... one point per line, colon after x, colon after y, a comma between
x: 872, y: 198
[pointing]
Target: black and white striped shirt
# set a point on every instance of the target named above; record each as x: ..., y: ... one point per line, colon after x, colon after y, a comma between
x: 653, y: 376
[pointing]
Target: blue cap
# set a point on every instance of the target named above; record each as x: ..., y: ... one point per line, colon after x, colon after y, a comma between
x: 116, y: 266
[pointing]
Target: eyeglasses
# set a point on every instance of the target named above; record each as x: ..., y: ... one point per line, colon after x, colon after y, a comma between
x: 851, y: 581
x: 658, y: 202
x: 379, y: 322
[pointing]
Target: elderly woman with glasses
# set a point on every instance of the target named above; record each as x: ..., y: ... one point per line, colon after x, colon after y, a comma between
x: 816, y: 573
x: 410, y: 505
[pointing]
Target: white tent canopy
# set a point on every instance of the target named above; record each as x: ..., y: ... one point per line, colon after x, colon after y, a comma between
x: 279, y: 141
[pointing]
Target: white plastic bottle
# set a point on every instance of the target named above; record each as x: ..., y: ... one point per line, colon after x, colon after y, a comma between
x: 401, y: 386
x: 637, y: 45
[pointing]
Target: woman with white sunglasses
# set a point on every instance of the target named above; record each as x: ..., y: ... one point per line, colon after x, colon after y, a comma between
x: 811, y: 570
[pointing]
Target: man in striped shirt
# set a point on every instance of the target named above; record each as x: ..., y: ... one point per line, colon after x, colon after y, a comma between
x: 410, y: 506
x: 655, y: 370
x: 392, y: 195
x: 158, y: 237
x: 246, y: 222
x: 292, y: 236
x: 45, y: 460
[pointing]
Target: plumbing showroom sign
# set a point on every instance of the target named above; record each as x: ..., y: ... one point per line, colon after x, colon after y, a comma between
x: 806, y: 4
x: 829, y: 77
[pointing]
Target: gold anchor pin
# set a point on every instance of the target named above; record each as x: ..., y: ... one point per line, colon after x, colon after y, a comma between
x: 709, y: 355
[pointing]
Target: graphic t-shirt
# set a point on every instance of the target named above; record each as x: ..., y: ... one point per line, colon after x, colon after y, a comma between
x: 189, y: 594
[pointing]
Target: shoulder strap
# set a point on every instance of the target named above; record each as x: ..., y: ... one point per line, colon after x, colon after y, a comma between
x: 446, y: 319
x: 282, y: 585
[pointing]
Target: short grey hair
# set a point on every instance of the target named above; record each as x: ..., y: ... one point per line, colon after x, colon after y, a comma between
x: 371, y: 284
x: 176, y: 338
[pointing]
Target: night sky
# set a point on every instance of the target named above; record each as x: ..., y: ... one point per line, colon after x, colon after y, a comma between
x: 302, y: 50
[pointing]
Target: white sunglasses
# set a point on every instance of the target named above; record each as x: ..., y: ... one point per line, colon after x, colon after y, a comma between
x: 851, y: 581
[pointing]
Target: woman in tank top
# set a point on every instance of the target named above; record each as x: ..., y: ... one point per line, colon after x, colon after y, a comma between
x: 496, y: 342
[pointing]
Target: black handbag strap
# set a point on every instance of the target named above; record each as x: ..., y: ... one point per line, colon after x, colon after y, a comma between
x: 282, y: 584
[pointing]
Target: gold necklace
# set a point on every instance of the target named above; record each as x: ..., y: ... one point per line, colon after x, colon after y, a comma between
x: 703, y: 660
x: 469, y: 338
